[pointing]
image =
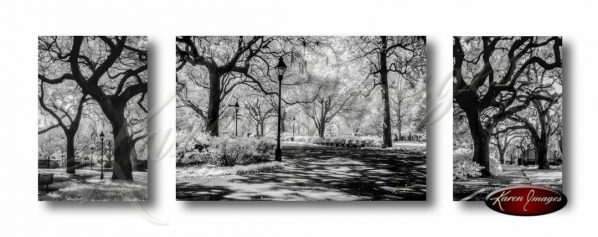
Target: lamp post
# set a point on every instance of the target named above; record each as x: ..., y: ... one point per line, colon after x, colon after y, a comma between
x: 90, y: 159
x: 293, y: 138
x: 280, y: 70
x: 109, y: 146
x: 102, y: 157
x: 50, y: 151
x: 236, y: 114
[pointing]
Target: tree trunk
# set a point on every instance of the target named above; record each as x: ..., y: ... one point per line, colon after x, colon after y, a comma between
x: 322, y: 128
x: 123, y: 143
x: 560, y: 143
x: 542, y: 153
x: 481, y: 138
x: 481, y: 143
x: 70, y: 153
x: 214, y: 104
x: 387, y: 131
x: 123, y: 146
x: 501, y: 153
x: 134, y: 160
x: 283, y: 117
x: 399, y: 122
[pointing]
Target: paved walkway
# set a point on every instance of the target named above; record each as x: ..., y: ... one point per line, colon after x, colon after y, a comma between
x: 477, y: 189
x: 321, y: 173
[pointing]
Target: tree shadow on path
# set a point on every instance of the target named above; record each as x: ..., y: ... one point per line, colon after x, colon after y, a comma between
x: 322, y: 173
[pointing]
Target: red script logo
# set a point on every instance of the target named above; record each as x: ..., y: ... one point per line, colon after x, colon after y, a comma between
x: 525, y: 200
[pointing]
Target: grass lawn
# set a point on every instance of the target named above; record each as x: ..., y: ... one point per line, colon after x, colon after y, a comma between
x: 86, y: 185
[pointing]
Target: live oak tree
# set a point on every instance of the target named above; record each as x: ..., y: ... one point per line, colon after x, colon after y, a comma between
x: 112, y: 71
x: 191, y: 88
x: 543, y: 119
x: 259, y: 110
x: 50, y: 139
x: 385, y: 55
x: 67, y: 111
x: 334, y: 99
x: 503, y: 137
x: 489, y: 81
x: 224, y: 63
x: 408, y: 97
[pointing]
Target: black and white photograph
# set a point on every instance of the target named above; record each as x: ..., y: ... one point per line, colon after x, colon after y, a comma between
x: 507, y: 120
x: 92, y: 118
x: 300, y: 118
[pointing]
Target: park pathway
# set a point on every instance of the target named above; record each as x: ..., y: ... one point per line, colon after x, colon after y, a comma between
x: 321, y: 173
x: 478, y: 189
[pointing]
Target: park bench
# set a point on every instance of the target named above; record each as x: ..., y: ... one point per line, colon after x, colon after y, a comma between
x: 45, y: 179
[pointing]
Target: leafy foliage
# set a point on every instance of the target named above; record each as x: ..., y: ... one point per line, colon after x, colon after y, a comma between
x: 465, y: 168
x: 201, y: 149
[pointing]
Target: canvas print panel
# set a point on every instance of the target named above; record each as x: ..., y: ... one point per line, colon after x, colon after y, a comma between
x: 301, y: 118
x: 507, y: 100
x: 92, y: 118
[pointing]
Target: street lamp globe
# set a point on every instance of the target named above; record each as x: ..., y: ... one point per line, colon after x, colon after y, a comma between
x: 236, y: 117
x: 281, y: 68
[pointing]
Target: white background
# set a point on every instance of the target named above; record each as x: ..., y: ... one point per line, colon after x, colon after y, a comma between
x: 22, y: 21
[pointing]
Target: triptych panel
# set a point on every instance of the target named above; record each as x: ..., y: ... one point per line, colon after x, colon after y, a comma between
x: 297, y: 118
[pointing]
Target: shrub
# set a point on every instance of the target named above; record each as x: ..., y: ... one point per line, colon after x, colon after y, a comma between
x: 365, y: 141
x: 466, y: 169
x: 224, y: 151
x: 371, y: 141
x: 189, y: 141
